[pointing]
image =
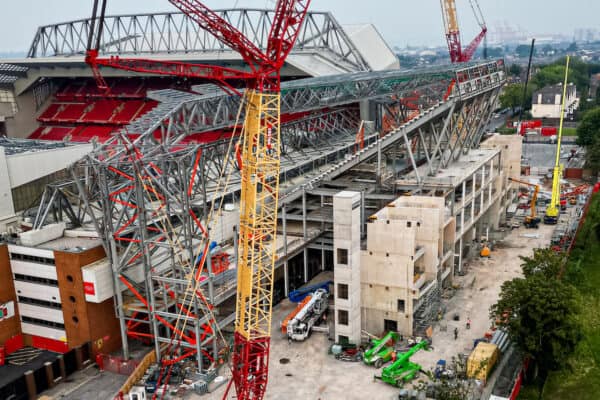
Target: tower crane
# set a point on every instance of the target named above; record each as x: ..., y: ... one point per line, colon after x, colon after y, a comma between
x: 449, y: 15
x: 553, y: 209
x: 260, y: 158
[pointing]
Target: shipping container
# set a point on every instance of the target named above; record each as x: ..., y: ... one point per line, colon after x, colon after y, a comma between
x: 482, y: 360
x: 549, y: 131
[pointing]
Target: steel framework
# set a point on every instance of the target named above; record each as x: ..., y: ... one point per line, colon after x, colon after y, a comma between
x: 176, y: 33
x: 150, y: 196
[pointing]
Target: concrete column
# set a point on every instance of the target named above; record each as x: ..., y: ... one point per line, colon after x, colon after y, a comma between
x: 31, y: 387
x: 346, y: 257
x: 49, y: 374
x: 304, y: 235
x: 61, y: 365
x: 286, y: 279
x: 79, y: 358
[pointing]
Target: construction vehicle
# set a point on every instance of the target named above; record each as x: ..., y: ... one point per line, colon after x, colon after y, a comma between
x: 300, y: 322
x: 449, y: 15
x: 402, y: 370
x: 296, y: 296
x: 553, y: 210
x: 380, y: 353
x: 531, y: 220
x: 260, y: 169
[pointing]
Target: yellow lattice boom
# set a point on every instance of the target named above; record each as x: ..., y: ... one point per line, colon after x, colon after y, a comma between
x: 258, y: 214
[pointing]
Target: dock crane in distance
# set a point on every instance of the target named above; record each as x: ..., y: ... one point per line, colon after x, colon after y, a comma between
x: 261, y: 163
x: 449, y: 15
x: 531, y: 220
x: 553, y: 210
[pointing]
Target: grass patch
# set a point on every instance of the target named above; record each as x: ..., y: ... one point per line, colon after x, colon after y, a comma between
x: 506, y: 131
x: 569, y: 132
x: 580, y: 377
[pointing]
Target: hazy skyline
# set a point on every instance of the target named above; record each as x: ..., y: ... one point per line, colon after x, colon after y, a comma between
x: 401, y: 22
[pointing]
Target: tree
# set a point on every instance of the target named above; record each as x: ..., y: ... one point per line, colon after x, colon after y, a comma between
x: 588, y: 130
x: 523, y: 50
x: 546, y: 262
x: 555, y: 73
x: 540, y: 312
x: 512, y: 96
x: 515, y: 70
x: 592, y: 156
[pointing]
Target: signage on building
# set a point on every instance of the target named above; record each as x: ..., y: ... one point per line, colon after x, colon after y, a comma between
x: 88, y: 288
x: 7, y: 310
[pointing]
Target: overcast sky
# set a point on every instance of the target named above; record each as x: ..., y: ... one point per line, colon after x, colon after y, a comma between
x: 402, y: 22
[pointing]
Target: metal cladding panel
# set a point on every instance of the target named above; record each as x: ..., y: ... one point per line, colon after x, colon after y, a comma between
x: 37, y: 291
x: 40, y: 312
x: 372, y: 46
x: 98, y: 282
x: 33, y: 269
x: 30, y: 251
x: 43, y: 331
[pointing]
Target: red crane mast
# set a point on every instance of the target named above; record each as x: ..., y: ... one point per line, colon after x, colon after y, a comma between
x: 260, y: 159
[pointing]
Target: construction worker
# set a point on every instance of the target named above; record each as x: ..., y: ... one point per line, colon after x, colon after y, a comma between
x: 455, y: 333
x: 468, y: 323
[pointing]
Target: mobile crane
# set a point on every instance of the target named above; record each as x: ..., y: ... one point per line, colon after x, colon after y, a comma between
x: 449, y: 15
x: 553, y: 210
x: 379, y: 353
x: 298, y: 325
x: 402, y: 370
x: 531, y: 220
x: 260, y: 155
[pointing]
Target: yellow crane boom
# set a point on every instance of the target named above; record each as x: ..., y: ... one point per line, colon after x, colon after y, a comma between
x: 553, y: 209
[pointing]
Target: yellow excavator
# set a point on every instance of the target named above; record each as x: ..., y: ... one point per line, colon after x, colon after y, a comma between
x: 531, y: 220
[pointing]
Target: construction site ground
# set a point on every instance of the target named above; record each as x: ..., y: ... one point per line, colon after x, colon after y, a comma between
x: 305, y: 370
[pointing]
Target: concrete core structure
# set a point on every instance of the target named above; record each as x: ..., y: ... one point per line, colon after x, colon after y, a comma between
x: 416, y: 244
x: 346, y: 242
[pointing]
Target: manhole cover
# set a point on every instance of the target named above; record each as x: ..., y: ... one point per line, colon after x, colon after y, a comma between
x: 284, y: 361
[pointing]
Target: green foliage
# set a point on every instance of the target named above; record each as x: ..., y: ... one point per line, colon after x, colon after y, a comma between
x: 515, y: 70
x: 555, y: 73
x: 592, y: 156
x: 588, y: 130
x: 512, y: 96
x: 542, y: 317
x: 523, y: 50
x: 580, y: 376
x: 546, y: 262
x: 507, y: 131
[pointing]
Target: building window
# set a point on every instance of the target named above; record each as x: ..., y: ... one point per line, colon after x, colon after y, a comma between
x: 342, y: 317
x: 342, y: 291
x: 342, y: 256
x: 38, y: 302
x: 343, y: 339
x: 400, y: 305
x: 390, y: 326
x: 35, y: 279
x: 33, y: 259
x: 41, y: 322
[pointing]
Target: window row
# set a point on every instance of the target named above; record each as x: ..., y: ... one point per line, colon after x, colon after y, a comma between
x: 36, y: 279
x: 29, y: 258
x: 41, y: 322
x: 38, y: 302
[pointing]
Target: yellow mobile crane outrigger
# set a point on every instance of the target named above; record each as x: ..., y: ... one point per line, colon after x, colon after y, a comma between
x: 553, y: 210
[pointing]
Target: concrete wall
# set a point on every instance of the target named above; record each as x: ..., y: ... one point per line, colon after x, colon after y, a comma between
x: 23, y: 123
x: 346, y: 239
x: 6, y: 201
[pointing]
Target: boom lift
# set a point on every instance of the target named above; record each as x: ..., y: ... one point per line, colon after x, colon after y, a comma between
x: 553, y: 210
x: 379, y: 353
x: 531, y: 220
x: 298, y: 325
x: 457, y: 53
x: 261, y: 163
x: 402, y: 370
